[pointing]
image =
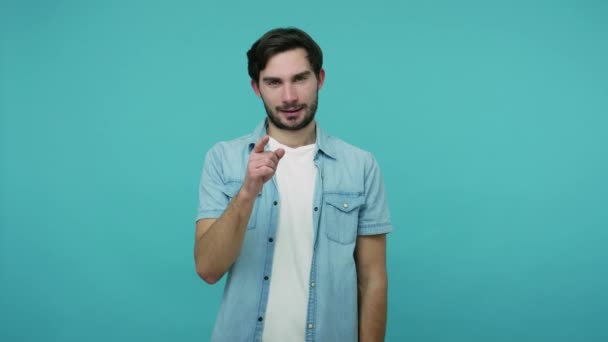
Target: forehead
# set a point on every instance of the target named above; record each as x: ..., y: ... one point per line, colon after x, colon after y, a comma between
x: 287, y: 63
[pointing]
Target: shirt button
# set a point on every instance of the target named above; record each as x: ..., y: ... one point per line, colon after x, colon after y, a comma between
x: 316, y: 208
x: 345, y: 205
x: 270, y: 239
x: 310, y: 325
x: 312, y: 284
x: 260, y: 319
x: 265, y: 277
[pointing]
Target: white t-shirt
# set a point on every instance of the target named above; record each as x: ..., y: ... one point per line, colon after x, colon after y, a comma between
x: 287, y: 306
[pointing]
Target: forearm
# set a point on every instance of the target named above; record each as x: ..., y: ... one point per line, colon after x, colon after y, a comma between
x: 372, y: 309
x: 217, y: 249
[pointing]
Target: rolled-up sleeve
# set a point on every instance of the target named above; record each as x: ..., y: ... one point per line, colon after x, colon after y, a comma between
x: 212, y: 199
x: 374, y: 216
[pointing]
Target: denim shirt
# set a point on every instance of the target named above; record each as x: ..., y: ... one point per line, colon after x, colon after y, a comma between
x: 349, y: 200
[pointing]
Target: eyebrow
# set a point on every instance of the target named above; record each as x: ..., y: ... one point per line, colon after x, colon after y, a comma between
x: 302, y: 74
x: 296, y: 76
x: 270, y: 79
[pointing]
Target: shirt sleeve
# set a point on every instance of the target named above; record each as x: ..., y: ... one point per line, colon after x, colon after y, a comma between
x: 374, y: 216
x: 212, y: 198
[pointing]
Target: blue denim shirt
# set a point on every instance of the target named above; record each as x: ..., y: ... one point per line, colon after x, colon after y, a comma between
x: 349, y: 200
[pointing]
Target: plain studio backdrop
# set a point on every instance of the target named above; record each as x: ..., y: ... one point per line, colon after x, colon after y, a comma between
x: 488, y: 119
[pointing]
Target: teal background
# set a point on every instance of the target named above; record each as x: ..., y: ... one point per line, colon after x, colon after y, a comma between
x: 488, y: 118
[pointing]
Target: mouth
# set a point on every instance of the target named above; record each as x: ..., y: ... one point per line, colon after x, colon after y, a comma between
x: 291, y: 113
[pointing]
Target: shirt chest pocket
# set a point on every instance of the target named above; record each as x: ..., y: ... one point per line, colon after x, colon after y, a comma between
x: 341, y: 213
x: 230, y: 190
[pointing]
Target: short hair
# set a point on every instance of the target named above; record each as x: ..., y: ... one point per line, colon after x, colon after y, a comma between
x: 280, y: 40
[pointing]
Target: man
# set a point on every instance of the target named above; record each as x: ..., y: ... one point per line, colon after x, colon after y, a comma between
x: 296, y: 217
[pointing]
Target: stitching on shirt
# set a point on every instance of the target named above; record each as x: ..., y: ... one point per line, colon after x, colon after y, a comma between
x: 350, y: 193
x: 374, y: 225
x: 210, y: 212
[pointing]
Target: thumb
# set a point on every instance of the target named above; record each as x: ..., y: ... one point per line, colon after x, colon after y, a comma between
x: 279, y: 153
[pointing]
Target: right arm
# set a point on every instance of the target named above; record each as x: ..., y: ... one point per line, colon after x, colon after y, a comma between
x: 218, y: 241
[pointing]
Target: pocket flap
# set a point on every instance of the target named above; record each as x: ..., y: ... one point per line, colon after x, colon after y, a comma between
x: 345, y: 202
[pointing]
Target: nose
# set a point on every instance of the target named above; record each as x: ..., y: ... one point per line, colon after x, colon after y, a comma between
x: 290, y: 94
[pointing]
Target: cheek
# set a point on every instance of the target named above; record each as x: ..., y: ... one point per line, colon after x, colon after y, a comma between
x: 270, y: 98
x: 311, y: 94
x: 308, y: 91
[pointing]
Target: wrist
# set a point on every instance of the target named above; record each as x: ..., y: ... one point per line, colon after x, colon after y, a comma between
x: 245, y: 196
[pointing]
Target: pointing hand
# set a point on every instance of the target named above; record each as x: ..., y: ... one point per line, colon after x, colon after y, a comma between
x: 261, y: 167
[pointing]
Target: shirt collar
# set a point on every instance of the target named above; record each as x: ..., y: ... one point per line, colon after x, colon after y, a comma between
x: 323, y: 143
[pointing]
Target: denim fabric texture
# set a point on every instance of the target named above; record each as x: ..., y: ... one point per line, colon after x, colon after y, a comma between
x: 349, y: 200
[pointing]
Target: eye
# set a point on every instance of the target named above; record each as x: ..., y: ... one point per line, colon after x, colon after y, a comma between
x: 273, y: 83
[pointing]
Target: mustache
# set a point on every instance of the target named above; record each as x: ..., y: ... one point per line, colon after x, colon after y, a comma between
x: 291, y: 107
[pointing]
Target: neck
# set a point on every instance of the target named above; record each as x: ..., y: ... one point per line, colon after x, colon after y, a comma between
x: 294, y: 139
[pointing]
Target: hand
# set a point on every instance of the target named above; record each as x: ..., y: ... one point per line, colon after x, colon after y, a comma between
x: 261, y: 167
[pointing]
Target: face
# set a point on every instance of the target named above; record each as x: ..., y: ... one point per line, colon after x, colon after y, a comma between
x: 289, y: 89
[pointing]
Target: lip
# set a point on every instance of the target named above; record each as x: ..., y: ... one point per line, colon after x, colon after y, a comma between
x: 292, y: 110
x: 291, y: 114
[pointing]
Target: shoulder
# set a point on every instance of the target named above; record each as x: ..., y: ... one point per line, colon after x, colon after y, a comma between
x: 228, y: 158
x: 227, y: 147
x: 345, y: 151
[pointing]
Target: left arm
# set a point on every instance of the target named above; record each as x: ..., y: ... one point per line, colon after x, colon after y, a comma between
x: 370, y: 257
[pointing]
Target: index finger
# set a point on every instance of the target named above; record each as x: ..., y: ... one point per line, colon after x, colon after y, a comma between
x: 259, y: 146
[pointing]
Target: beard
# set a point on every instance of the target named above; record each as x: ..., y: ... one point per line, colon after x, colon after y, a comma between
x: 309, y: 114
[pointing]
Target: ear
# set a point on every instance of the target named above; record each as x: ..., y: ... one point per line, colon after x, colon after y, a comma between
x: 321, y: 78
x: 256, y: 89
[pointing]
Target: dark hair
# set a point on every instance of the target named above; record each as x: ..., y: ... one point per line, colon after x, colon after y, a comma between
x: 280, y: 40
